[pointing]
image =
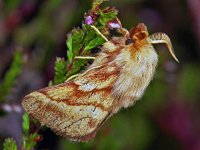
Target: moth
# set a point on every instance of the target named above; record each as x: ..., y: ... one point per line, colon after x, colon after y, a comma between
x: 116, y: 79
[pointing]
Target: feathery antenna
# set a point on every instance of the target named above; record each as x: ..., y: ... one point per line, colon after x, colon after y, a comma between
x: 159, y: 37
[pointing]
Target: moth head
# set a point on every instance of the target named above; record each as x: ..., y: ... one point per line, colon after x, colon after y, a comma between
x: 139, y: 33
x: 139, y: 36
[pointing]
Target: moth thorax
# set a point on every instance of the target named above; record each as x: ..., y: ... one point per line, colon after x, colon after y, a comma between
x: 139, y: 33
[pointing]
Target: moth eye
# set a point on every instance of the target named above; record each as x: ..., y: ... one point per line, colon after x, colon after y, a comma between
x: 128, y: 41
x: 90, y: 61
x: 95, y: 50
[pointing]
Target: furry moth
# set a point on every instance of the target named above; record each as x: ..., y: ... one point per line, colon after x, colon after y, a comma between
x: 116, y: 79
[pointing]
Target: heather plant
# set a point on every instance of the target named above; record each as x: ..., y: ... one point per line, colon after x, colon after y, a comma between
x: 167, y: 117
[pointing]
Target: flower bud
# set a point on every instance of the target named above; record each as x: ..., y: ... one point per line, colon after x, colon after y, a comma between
x: 89, y: 20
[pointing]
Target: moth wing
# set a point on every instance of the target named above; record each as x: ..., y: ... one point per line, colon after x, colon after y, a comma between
x: 75, y: 109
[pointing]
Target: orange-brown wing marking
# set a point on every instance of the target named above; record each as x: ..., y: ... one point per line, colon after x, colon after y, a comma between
x: 75, y: 109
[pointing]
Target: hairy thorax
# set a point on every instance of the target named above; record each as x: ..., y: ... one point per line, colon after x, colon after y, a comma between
x: 137, y: 70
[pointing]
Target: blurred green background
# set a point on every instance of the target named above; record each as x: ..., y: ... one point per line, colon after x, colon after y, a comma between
x: 168, y: 115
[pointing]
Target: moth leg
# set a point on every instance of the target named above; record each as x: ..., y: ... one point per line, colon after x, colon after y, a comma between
x: 76, y: 75
x: 93, y: 68
x: 158, y: 38
x: 84, y: 57
x: 72, y: 77
x: 93, y: 27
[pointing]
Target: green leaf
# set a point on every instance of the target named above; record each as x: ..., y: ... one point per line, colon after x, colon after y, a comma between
x: 89, y: 34
x: 69, y: 52
x: 107, y: 15
x: 94, y: 43
x: 60, y: 71
x: 97, y: 3
x: 77, y: 66
x: 74, y: 43
x: 31, y: 141
x: 25, y: 124
x: 11, y: 75
x: 77, y: 38
x: 9, y: 144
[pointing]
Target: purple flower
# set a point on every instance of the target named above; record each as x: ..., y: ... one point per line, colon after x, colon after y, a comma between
x: 114, y: 25
x: 89, y: 20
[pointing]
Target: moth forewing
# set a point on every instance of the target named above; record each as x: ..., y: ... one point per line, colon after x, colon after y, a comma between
x: 75, y: 109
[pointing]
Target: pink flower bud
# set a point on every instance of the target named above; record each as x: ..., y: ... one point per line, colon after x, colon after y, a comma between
x: 89, y: 20
x: 114, y: 25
